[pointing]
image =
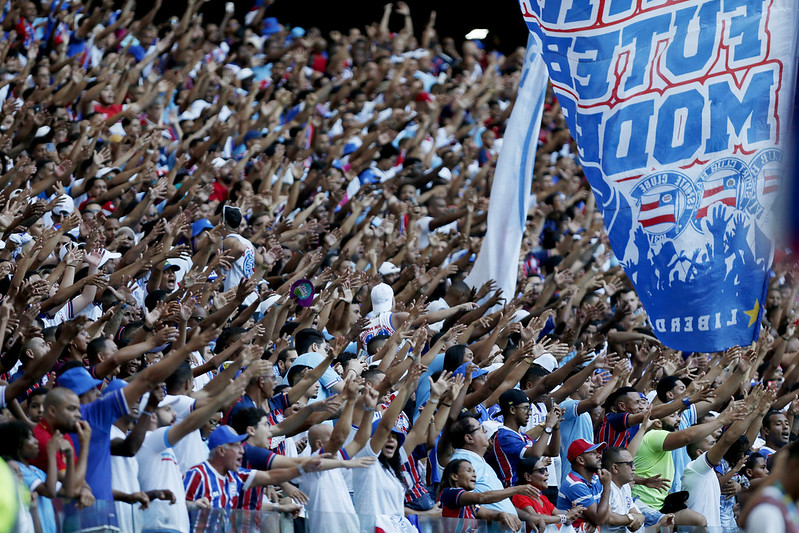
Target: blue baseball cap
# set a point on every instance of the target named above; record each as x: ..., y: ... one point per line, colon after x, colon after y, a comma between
x: 198, y: 226
x: 224, y: 435
x: 78, y: 380
x: 476, y: 373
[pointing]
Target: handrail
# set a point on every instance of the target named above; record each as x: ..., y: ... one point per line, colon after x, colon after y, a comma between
x: 104, y: 517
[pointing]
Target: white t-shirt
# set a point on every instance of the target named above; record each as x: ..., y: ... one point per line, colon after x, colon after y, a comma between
x: 326, y: 495
x: 424, y: 230
x: 92, y: 311
x: 159, y: 470
x: 125, y: 478
x: 191, y: 450
x: 766, y: 516
x: 376, y: 490
x: 704, y: 492
x: 621, y: 502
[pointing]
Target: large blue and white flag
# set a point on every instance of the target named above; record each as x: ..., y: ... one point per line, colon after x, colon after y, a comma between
x: 679, y: 108
x: 498, y: 259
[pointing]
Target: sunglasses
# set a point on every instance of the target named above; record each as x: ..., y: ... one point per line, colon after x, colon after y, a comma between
x: 628, y: 463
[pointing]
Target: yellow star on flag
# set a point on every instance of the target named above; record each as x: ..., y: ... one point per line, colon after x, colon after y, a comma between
x: 752, y: 313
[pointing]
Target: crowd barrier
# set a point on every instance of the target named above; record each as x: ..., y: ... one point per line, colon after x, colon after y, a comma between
x: 100, y: 517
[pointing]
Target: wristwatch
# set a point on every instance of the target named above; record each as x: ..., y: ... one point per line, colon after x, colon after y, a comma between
x: 548, y: 430
x: 630, y: 517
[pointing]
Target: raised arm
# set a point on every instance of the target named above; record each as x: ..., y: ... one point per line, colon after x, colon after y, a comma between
x: 68, y: 332
x: 418, y: 434
x: 678, y: 439
x: 151, y: 376
x: 574, y: 382
x: 390, y: 415
x: 128, y: 353
x: 601, y: 394
x: 200, y: 416
x: 365, y: 426
x: 740, y: 421
x: 342, y: 428
x: 302, y: 386
x: 495, y: 496
x: 598, y: 513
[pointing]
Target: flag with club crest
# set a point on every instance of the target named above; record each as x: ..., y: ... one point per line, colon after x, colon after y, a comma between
x: 680, y: 109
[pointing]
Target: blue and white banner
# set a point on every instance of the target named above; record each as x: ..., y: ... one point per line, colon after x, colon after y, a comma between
x: 498, y: 259
x: 679, y: 108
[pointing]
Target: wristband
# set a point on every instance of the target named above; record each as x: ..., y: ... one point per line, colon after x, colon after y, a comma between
x: 446, y: 404
x: 433, y: 401
x: 687, y: 402
x: 369, y: 409
x: 147, y: 328
x: 301, y: 470
x: 562, y: 518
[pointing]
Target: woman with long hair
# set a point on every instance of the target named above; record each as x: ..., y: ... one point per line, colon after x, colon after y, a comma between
x: 380, y: 488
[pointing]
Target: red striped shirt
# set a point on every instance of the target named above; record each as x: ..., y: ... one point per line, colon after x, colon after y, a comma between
x: 203, y: 481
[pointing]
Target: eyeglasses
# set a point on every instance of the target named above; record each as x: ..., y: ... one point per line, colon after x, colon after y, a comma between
x: 476, y: 429
x: 628, y: 463
x: 540, y: 470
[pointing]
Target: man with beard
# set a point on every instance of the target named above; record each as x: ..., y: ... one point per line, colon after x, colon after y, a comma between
x: 588, y: 484
x: 654, y: 458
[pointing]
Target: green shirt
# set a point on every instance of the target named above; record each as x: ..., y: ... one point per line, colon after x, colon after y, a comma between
x: 652, y: 460
x: 9, y: 502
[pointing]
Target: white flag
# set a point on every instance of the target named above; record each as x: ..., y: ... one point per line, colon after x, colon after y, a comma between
x: 510, y: 193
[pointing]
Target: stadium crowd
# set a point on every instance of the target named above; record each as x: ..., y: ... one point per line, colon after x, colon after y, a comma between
x: 232, y: 277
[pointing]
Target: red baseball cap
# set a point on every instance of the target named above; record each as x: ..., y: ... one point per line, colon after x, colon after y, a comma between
x: 581, y: 446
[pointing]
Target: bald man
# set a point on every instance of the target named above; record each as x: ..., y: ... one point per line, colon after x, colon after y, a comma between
x: 62, y: 414
x: 324, y: 489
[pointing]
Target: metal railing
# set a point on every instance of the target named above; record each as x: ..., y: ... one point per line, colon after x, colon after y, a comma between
x: 116, y: 517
